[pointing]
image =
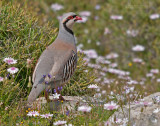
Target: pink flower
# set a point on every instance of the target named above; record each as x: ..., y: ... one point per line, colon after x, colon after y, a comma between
x: 154, y: 16
x: 116, y: 17
x: 97, y: 7
x: 112, y: 56
x: 85, y: 13
x: 46, y: 115
x: 154, y: 71
x: 10, y: 60
x: 59, y: 122
x: 137, y: 60
x: 91, y: 53
x: 145, y: 103
x: 33, y: 113
x: 56, y: 7
x: 132, y: 33
x: 93, y: 86
x: 138, y: 48
x: 106, y: 31
x: 1, y: 79
x: 111, y: 106
x: 84, y: 108
x: 12, y: 70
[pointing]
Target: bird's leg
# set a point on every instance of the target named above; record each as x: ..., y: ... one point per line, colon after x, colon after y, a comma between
x: 46, y: 94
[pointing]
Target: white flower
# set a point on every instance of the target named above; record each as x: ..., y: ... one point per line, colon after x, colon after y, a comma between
x: 125, y: 120
x: 104, y: 92
x: 68, y: 125
x: 97, y: 95
x: 85, y: 13
x: 12, y: 70
x: 138, y: 48
x: 91, y: 53
x: 154, y: 71
x: 33, y: 113
x: 132, y: 33
x: 132, y: 82
x: 56, y: 7
x: 56, y: 96
x: 113, y: 65
x: 106, y: 31
x: 118, y: 72
x: 46, y: 115
x: 137, y: 60
x: 156, y: 110
x: 154, y: 16
x: 149, y: 75
x: 116, y: 17
x: 93, y: 86
x: 97, y: 7
x: 111, y: 106
x: 145, y: 103
x: 84, y: 108
x: 59, y: 122
x: 10, y: 60
x: 112, y: 56
x: 1, y: 79
x: 158, y: 80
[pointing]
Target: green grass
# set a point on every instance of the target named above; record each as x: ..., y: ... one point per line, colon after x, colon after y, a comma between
x: 28, y: 27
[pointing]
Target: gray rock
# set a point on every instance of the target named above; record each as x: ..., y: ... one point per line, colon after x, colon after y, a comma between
x: 140, y: 115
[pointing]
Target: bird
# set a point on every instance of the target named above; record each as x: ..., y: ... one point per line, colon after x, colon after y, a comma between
x: 58, y: 61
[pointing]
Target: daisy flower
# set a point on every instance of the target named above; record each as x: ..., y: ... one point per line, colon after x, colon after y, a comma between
x: 154, y: 16
x: 85, y: 13
x: 46, y: 115
x: 56, y: 7
x: 33, y: 113
x: 91, y: 53
x: 138, y: 48
x: 1, y: 79
x: 97, y: 7
x: 154, y: 71
x: 12, y: 70
x: 110, y: 106
x: 106, y: 31
x: 137, y: 60
x: 145, y: 103
x: 132, y: 33
x: 93, y: 86
x: 10, y: 60
x: 156, y: 110
x: 84, y: 108
x: 116, y: 17
x: 59, y: 122
x: 56, y: 96
x: 112, y: 56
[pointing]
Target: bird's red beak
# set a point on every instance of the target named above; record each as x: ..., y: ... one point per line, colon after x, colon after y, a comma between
x: 78, y: 18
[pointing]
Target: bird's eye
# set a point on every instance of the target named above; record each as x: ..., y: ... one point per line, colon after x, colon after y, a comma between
x: 70, y: 17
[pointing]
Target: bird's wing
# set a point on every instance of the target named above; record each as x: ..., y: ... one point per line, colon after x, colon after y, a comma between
x: 59, y: 61
x: 43, y: 66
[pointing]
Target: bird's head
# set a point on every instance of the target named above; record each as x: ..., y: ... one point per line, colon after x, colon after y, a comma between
x: 69, y: 19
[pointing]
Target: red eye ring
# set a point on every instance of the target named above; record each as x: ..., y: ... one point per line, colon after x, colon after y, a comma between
x: 70, y: 17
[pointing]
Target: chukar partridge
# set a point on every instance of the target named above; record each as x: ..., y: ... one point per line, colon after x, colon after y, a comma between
x: 58, y: 61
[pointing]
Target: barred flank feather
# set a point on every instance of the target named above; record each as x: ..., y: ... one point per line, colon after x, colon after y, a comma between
x: 69, y: 67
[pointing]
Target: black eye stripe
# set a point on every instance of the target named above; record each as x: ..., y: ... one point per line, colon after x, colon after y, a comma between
x: 74, y: 16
